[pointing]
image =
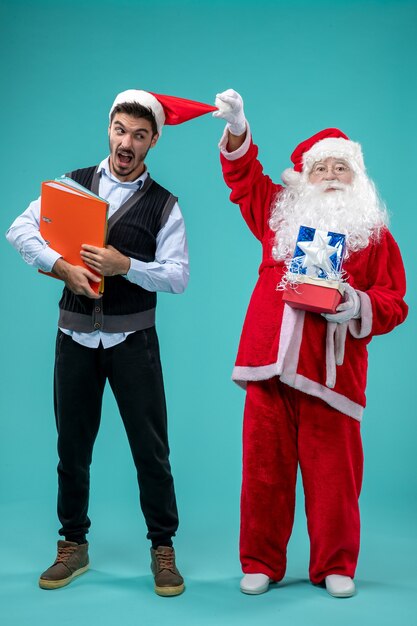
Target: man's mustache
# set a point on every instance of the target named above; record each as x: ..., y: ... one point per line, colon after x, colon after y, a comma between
x: 125, y: 152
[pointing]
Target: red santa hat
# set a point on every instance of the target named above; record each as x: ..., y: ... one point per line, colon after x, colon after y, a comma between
x: 166, y: 109
x: 330, y: 142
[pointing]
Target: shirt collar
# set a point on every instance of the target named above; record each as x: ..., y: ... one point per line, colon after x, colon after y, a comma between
x: 104, y: 167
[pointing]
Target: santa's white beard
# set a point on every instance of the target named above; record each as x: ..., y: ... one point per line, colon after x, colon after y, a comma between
x: 353, y: 210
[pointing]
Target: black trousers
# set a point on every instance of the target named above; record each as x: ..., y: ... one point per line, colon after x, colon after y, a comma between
x: 133, y: 369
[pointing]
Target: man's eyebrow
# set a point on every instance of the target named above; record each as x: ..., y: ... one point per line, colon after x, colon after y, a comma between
x: 135, y: 130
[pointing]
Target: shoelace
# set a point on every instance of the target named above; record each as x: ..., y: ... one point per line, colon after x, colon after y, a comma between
x: 64, y: 552
x: 165, y: 560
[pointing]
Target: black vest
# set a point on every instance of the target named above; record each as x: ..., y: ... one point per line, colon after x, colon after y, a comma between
x: 132, y: 230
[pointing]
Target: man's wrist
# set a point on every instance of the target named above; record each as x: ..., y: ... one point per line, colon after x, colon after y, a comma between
x: 126, y: 267
x: 61, y: 268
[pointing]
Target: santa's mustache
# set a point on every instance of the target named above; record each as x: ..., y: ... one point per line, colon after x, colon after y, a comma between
x: 331, y: 184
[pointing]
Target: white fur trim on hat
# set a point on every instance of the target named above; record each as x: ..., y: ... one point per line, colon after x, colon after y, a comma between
x: 145, y: 99
x: 334, y: 147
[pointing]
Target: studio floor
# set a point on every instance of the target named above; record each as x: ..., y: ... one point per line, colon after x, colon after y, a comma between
x: 118, y: 589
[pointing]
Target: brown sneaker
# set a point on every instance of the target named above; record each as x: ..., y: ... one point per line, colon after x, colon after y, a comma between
x: 168, y: 580
x: 71, y: 561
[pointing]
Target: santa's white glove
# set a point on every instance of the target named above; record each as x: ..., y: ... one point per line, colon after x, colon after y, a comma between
x: 349, y: 309
x: 230, y: 105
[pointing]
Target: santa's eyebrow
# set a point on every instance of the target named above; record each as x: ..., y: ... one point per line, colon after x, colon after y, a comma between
x: 335, y: 163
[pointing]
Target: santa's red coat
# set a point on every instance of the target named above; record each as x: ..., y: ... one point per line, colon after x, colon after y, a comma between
x: 299, y: 347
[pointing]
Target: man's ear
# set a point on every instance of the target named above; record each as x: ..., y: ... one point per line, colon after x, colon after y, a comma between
x: 154, y: 140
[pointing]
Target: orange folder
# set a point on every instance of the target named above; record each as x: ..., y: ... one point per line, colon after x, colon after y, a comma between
x: 70, y: 216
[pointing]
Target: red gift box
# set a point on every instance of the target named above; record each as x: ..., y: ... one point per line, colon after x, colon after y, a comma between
x: 314, y: 294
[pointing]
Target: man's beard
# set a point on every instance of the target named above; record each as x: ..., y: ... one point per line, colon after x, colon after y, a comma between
x: 353, y: 210
x: 134, y: 167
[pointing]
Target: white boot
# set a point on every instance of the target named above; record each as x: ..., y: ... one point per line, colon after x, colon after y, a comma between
x: 340, y: 586
x: 254, y: 583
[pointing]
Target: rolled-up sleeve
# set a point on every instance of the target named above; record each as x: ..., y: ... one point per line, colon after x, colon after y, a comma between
x: 25, y: 237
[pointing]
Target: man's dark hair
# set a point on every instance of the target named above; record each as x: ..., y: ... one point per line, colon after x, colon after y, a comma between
x: 136, y: 110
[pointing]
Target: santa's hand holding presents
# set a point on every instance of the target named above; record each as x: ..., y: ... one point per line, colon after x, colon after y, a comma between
x: 349, y: 309
x: 305, y: 373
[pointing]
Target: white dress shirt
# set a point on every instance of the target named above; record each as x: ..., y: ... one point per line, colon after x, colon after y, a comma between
x: 169, y: 272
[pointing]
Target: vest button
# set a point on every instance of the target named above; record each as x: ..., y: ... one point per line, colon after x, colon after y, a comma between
x: 97, y: 325
x: 97, y: 309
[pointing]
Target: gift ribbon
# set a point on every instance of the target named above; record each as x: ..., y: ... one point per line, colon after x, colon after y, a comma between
x: 297, y: 279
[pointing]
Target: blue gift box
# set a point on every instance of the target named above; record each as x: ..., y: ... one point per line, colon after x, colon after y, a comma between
x: 318, y: 253
x: 314, y: 278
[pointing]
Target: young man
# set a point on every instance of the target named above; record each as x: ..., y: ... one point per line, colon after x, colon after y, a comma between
x: 305, y: 373
x: 113, y: 337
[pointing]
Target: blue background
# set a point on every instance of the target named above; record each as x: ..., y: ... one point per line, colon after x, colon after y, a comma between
x: 300, y: 67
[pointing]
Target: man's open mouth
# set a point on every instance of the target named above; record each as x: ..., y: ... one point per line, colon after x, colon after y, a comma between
x: 124, y: 157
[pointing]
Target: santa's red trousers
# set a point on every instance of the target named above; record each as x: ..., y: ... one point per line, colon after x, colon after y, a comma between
x: 282, y: 428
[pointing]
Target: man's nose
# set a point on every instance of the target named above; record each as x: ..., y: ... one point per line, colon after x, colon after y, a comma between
x: 126, y: 141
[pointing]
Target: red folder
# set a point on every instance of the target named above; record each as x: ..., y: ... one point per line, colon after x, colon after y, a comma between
x: 70, y: 216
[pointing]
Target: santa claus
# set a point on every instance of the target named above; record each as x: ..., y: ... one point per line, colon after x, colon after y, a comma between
x: 305, y: 373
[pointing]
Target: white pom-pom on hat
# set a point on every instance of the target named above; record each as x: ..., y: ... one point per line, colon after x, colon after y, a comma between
x: 291, y: 177
x: 223, y: 107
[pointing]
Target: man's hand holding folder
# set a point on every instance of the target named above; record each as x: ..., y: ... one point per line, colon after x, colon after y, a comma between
x: 77, y: 278
x: 105, y: 261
